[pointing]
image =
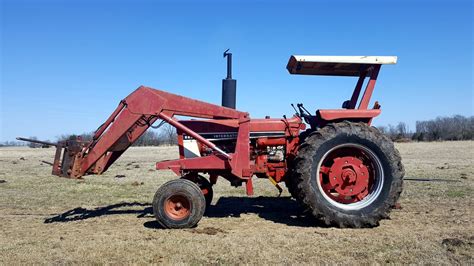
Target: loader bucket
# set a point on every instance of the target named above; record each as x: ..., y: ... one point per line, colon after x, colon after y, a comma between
x: 68, y: 158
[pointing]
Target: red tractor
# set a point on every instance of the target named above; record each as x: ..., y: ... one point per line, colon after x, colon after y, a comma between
x: 345, y: 172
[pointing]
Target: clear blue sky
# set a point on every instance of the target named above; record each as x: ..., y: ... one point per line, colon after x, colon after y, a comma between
x: 65, y: 65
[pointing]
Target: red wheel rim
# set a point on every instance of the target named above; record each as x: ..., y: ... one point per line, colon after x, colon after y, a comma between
x: 177, y: 207
x: 349, y: 174
x: 205, y: 191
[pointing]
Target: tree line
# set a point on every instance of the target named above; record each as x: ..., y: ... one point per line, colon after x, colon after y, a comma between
x: 165, y: 136
x: 455, y: 127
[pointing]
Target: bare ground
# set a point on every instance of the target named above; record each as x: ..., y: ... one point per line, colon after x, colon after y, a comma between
x: 108, y: 219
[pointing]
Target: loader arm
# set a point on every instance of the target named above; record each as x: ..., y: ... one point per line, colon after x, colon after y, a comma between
x: 134, y: 115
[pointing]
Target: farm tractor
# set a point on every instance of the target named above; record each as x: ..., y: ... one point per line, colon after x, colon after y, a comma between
x: 343, y: 171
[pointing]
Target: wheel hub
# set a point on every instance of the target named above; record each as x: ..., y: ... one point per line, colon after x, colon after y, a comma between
x: 348, y: 176
x: 177, y: 207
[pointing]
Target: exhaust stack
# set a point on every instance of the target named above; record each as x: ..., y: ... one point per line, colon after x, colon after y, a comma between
x: 229, y: 85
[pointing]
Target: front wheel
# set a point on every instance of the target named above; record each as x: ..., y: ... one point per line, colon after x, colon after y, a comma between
x: 179, y: 204
x: 348, y: 174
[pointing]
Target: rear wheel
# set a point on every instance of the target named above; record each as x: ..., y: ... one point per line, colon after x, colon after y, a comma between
x: 348, y: 174
x: 179, y: 204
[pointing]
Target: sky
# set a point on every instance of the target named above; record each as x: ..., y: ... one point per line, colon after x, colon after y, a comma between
x: 65, y: 65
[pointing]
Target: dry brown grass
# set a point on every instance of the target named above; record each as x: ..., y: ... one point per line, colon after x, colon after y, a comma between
x: 105, y: 219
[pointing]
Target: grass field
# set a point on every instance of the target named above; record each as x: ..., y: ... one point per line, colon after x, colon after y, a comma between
x: 106, y: 219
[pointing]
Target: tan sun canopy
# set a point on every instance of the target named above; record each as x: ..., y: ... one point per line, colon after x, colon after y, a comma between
x: 335, y: 65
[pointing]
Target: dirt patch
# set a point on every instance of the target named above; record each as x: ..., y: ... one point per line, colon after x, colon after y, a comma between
x: 398, y: 206
x: 207, y: 231
x: 445, y: 166
x: 452, y: 242
x: 321, y: 233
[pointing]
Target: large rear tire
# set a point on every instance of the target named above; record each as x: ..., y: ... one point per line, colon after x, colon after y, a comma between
x: 348, y: 174
x: 289, y: 182
x: 179, y: 204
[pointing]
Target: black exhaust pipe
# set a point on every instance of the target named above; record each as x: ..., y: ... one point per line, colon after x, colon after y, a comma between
x: 229, y: 85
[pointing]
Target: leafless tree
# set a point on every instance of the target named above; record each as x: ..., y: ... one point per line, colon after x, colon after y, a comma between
x: 399, y: 132
x: 169, y: 135
x: 83, y: 136
x: 32, y: 144
x: 149, y: 138
x: 382, y: 129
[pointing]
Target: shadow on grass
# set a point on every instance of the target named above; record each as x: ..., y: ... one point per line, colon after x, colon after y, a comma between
x: 282, y: 210
x: 78, y: 214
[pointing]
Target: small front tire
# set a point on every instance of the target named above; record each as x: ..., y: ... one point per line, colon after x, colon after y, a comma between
x: 179, y: 204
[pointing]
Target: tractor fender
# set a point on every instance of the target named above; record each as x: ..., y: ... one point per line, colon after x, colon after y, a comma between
x: 347, y: 114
